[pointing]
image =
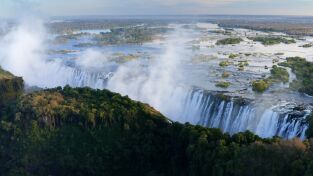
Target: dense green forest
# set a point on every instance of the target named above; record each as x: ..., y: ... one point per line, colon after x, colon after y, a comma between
x: 81, y: 131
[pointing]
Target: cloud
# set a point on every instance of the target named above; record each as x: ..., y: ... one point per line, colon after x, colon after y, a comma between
x: 200, y: 2
x: 19, y: 8
x: 151, y: 7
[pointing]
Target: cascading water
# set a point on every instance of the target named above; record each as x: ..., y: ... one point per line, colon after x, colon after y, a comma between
x: 97, y: 80
x: 234, y: 115
x: 21, y: 53
x: 208, y: 109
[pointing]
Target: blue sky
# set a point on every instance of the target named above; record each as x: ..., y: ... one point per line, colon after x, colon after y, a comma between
x: 153, y: 7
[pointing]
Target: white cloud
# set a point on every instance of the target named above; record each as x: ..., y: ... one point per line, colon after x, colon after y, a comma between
x: 132, y: 7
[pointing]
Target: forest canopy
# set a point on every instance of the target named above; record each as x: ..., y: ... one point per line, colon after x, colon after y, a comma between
x: 81, y: 131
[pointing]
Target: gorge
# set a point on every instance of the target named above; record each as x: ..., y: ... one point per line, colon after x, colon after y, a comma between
x: 175, y: 73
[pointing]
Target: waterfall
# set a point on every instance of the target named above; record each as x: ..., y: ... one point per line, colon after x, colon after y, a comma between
x: 61, y: 75
x: 207, y: 109
x: 201, y: 107
x: 21, y: 52
x: 235, y: 115
x: 97, y: 80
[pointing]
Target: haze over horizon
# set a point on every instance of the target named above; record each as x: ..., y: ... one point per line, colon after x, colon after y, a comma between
x: 9, y: 8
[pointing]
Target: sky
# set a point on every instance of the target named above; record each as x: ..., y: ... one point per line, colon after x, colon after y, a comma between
x: 9, y: 8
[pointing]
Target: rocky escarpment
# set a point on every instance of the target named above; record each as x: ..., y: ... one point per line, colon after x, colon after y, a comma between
x: 10, y: 87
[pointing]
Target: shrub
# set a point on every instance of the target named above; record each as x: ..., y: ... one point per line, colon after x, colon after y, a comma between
x: 308, y: 45
x: 233, y: 56
x: 304, y: 72
x: 260, y: 85
x: 272, y: 40
x: 229, y: 41
x: 279, y: 74
x: 223, y: 84
x: 224, y: 63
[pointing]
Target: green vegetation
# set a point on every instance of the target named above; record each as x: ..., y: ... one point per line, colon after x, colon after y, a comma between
x: 92, y: 132
x: 10, y: 87
x: 95, y: 132
x: 223, y: 84
x: 81, y: 131
x: 272, y: 40
x: 132, y: 35
x: 241, y: 65
x: 279, y: 54
x: 224, y: 63
x: 5, y: 74
x: 118, y: 35
x: 229, y: 41
x: 304, y: 72
x: 260, y: 85
x: 308, y: 45
x: 309, y: 131
x: 279, y: 74
x: 233, y: 56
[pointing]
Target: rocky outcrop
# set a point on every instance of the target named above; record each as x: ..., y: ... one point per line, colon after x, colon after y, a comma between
x: 10, y: 87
